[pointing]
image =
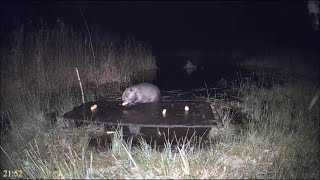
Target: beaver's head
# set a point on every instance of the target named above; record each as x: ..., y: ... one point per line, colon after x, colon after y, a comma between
x: 130, y: 96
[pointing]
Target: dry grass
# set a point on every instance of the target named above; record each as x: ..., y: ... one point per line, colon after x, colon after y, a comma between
x: 44, y: 59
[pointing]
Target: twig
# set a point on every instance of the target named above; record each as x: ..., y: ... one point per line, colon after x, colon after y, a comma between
x: 80, y: 85
x: 314, y: 99
x: 8, y: 156
x: 90, y: 41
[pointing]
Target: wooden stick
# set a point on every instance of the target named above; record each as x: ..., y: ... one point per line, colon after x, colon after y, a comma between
x: 80, y: 85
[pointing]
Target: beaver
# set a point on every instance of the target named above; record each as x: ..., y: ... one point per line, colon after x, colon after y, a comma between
x: 141, y: 93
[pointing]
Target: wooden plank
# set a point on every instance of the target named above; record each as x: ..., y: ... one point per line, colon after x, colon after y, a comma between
x: 146, y: 115
x: 147, y: 120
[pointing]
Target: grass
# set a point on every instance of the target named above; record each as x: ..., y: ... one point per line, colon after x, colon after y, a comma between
x: 44, y: 59
x: 294, y: 61
x: 280, y: 137
x: 280, y: 119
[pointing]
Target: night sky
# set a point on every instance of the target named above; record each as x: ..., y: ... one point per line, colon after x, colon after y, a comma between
x: 172, y: 26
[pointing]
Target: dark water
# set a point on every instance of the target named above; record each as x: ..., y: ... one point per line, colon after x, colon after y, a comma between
x: 210, y: 71
x: 172, y: 76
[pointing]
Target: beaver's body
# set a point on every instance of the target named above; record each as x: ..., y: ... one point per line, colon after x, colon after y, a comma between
x: 141, y: 93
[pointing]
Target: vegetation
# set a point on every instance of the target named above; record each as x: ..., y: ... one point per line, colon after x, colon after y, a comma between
x: 44, y: 59
x: 280, y: 137
x: 284, y: 60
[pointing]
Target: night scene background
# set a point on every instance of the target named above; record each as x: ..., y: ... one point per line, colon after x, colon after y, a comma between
x: 255, y: 62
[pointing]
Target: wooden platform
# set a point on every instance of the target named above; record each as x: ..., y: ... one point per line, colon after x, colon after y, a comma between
x: 148, y: 119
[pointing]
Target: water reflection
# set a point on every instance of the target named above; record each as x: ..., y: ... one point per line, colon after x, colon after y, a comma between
x: 176, y: 74
x: 189, y: 67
